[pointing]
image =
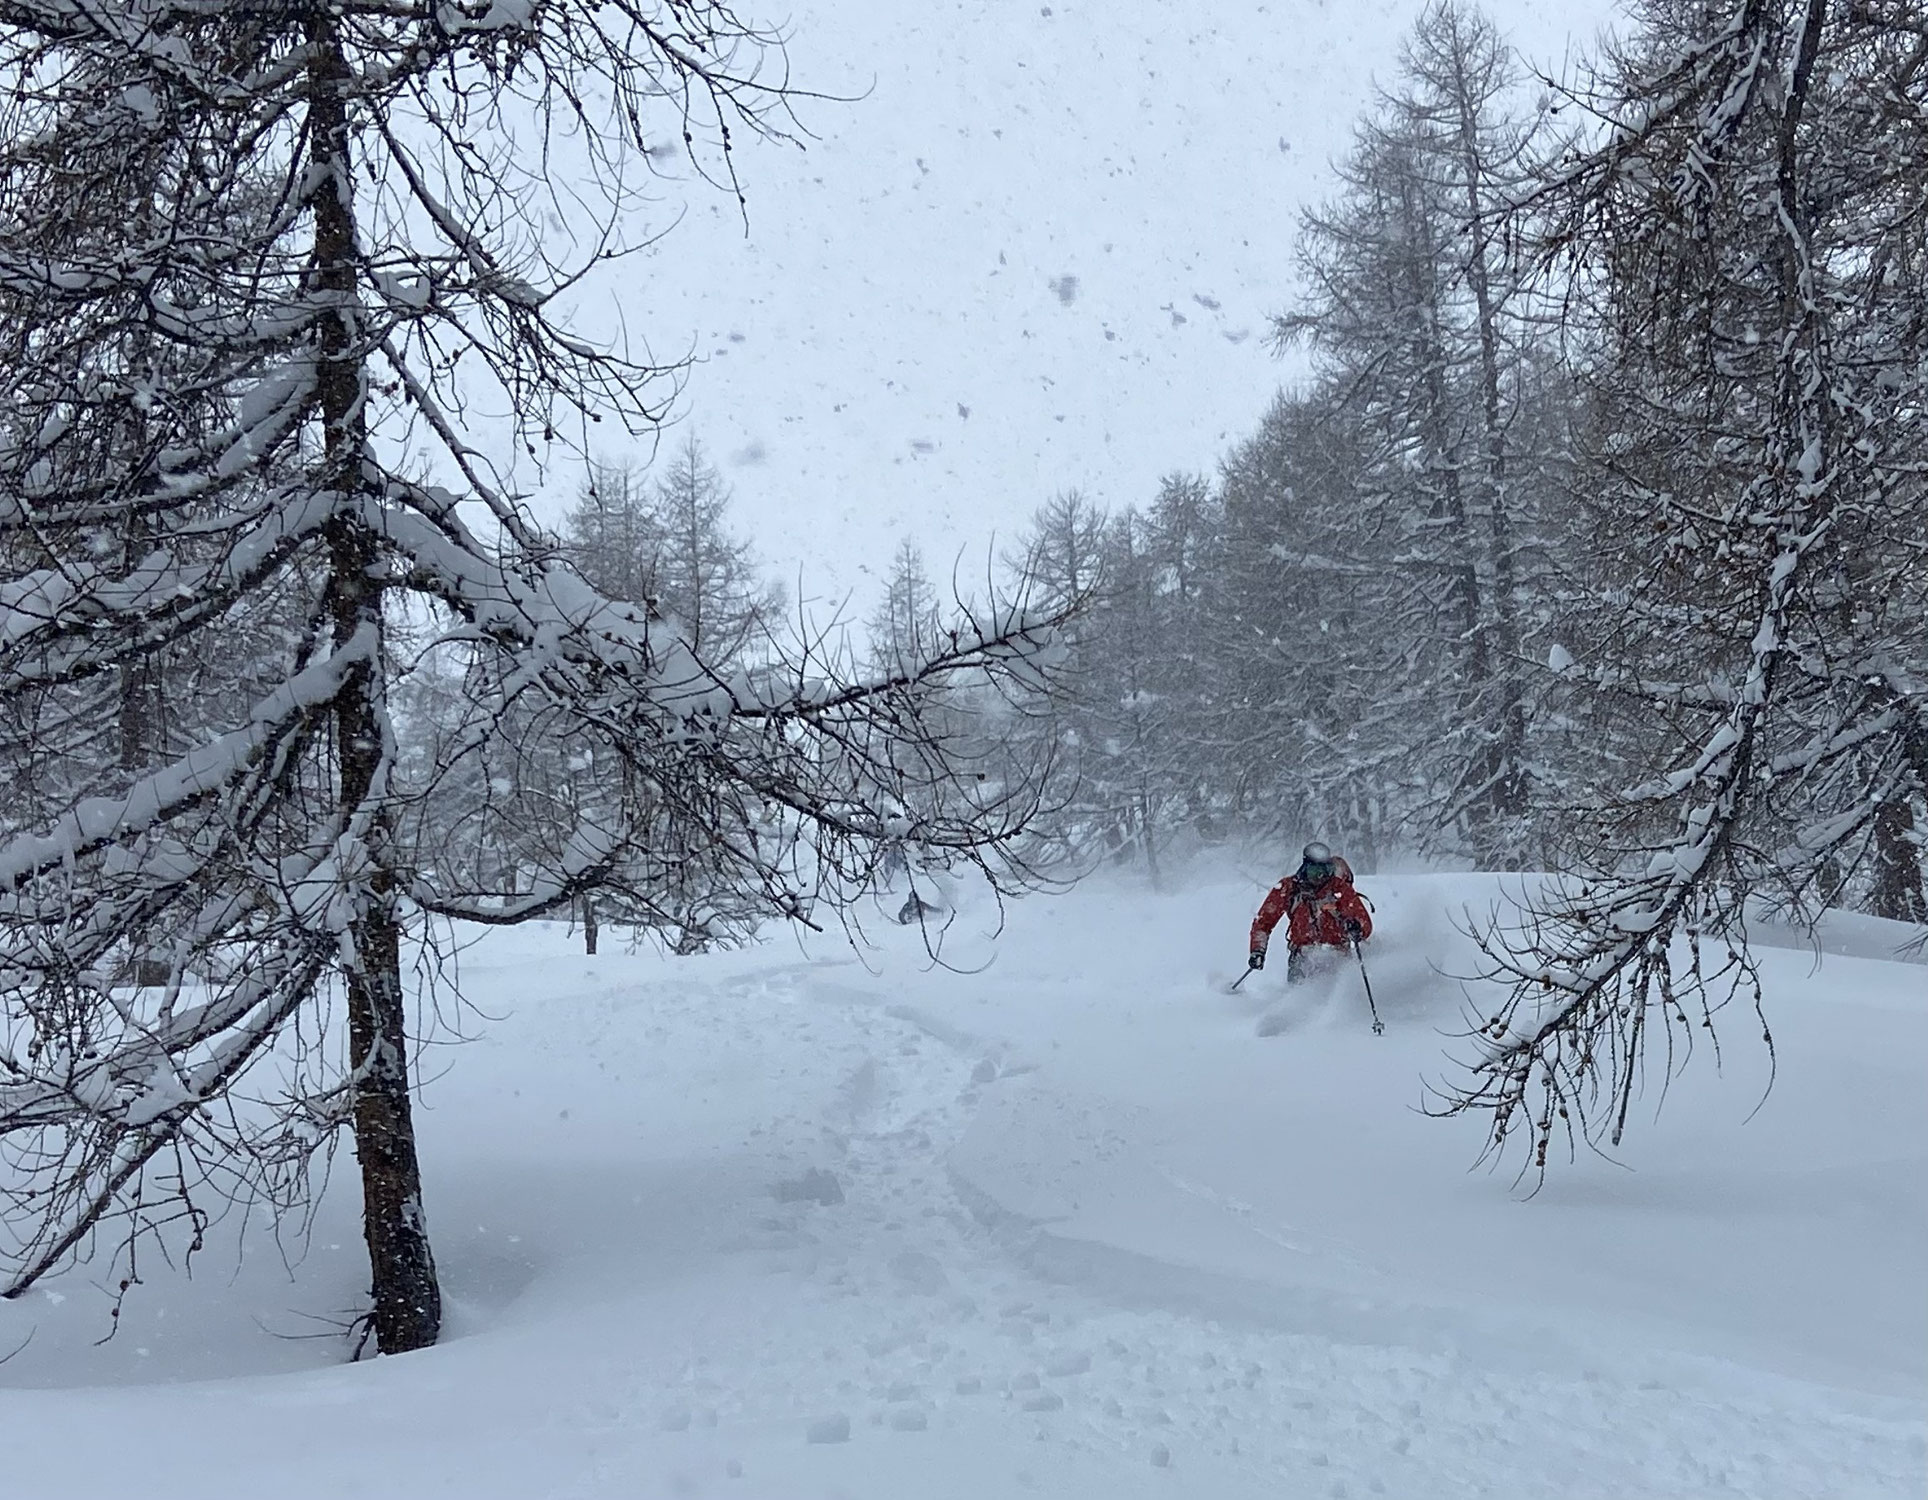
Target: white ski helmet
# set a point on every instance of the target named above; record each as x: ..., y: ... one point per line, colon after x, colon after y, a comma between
x: 1317, y: 853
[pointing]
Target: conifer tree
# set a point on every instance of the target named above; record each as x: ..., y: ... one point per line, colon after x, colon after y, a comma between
x: 308, y: 259
x: 1741, y: 254
x: 1411, y: 310
x: 668, y: 542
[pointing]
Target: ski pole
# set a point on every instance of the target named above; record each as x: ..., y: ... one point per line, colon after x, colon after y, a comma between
x: 1241, y: 980
x: 1378, y: 1026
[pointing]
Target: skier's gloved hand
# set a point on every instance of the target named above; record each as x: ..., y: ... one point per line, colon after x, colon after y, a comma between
x: 1257, y: 960
x: 1354, y: 930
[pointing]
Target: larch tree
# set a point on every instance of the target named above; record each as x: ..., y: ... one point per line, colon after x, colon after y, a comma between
x: 1740, y: 253
x: 1059, y: 556
x: 1129, y: 715
x: 611, y: 532
x: 1127, y: 724
x: 322, y: 263
x: 1410, y: 309
x: 1319, y: 693
x: 908, y: 619
x: 669, y: 543
x: 664, y: 542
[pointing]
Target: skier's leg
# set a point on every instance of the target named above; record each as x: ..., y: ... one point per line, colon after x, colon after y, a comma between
x: 1294, y: 964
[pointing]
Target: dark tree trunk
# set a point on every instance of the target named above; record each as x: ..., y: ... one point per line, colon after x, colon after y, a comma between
x: 1898, y: 889
x: 140, y: 737
x: 1828, y: 881
x: 589, y: 923
x: 1472, y: 671
x: 407, y: 1300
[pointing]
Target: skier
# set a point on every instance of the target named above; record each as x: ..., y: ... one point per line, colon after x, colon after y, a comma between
x: 1321, y: 906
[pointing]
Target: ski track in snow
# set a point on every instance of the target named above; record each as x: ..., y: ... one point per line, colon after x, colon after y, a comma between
x: 727, y: 1333
x: 946, y: 1317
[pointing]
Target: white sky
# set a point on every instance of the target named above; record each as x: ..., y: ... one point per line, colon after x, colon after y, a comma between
x: 1039, y: 252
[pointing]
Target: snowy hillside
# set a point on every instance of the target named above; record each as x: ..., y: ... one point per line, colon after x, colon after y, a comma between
x: 1034, y: 248
x: 812, y: 1223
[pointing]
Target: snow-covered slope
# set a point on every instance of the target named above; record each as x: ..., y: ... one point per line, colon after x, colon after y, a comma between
x: 1029, y: 247
x: 1086, y: 1234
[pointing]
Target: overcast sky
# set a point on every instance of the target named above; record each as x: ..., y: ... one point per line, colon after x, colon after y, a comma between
x: 1038, y: 253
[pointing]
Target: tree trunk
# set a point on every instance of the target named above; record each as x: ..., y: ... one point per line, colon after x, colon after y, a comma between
x: 407, y: 1300
x: 1151, y: 837
x: 138, y: 734
x: 589, y: 923
x: 140, y: 738
x: 1508, y: 796
x: 1898, y: 890
x: 1441, y: 458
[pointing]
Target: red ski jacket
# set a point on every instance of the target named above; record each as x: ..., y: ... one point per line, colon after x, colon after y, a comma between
x: 1318, y: 914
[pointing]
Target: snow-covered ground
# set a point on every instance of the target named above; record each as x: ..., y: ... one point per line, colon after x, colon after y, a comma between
x: 1094, y: 1237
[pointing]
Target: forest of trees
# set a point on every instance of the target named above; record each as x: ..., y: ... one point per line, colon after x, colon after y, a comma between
x: 1592, y: 543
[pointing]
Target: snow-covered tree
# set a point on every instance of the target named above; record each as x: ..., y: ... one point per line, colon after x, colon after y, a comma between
x: 1410, y: 308
x: 1125, y: 726
x: 612, y: 533
x: 1124, y: 712
x: 327, y: 262
x: 1742, y: 258
x: 665, y: 542
x: 908, y: 619
x: 1318, y: 699
x: 668, y: 543
x: 1062, y: 551
x: 1059, y: 557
